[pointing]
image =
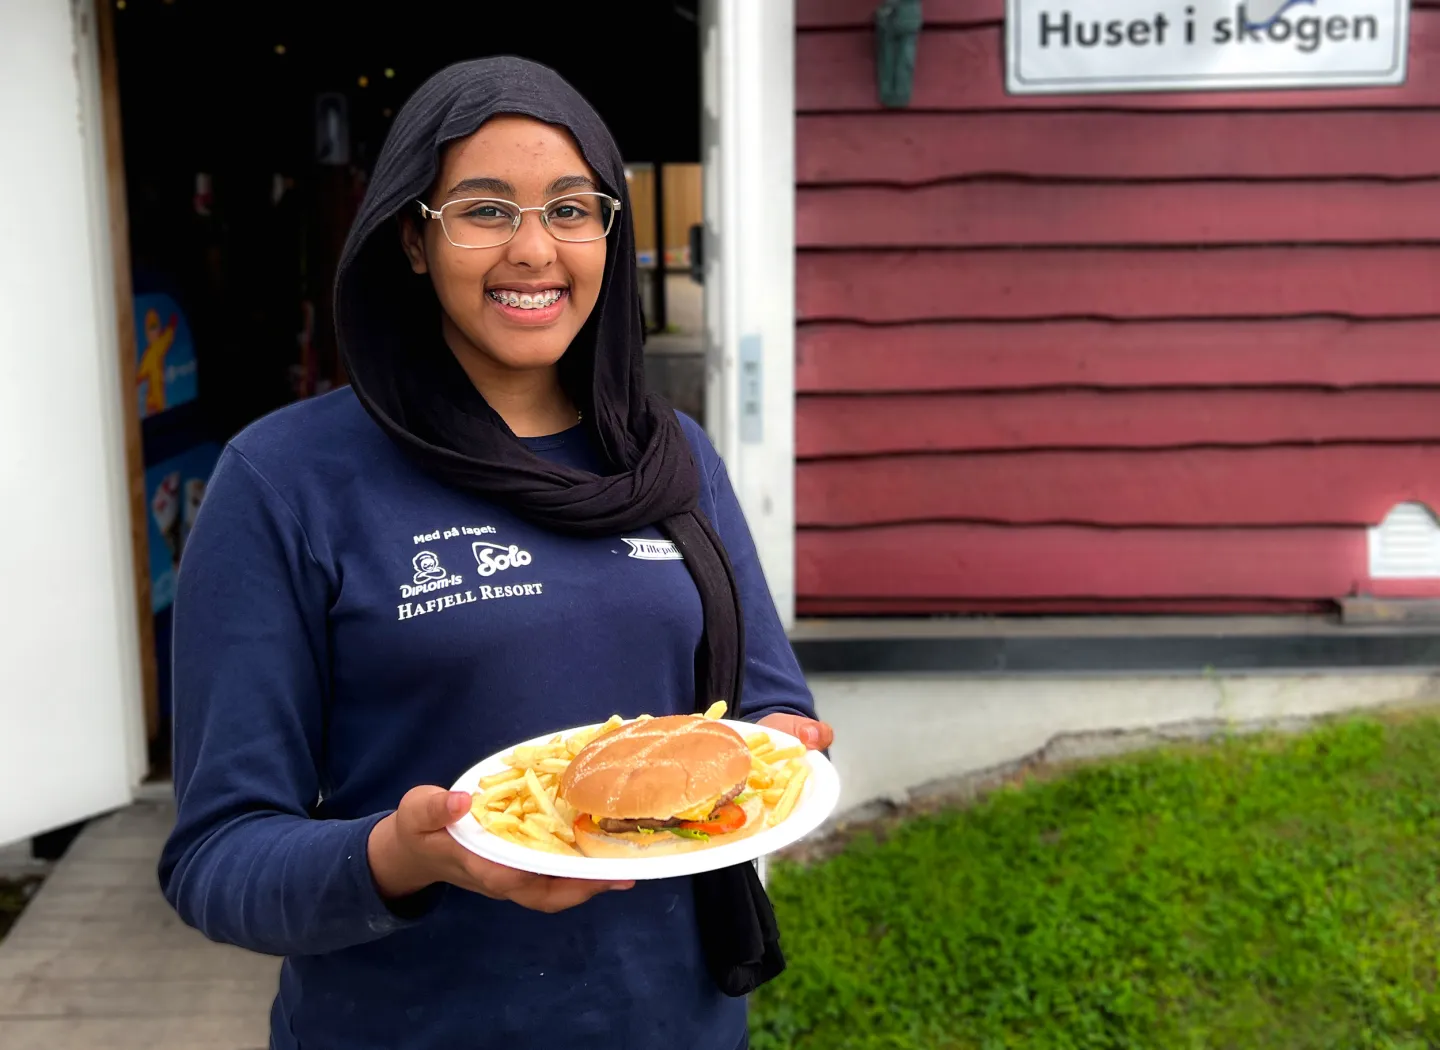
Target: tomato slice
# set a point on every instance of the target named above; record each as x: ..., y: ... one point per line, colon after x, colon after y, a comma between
x: 727, y: 818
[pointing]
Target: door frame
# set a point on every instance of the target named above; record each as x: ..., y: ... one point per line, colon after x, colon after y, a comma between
x: 73, y: 665
x: 98, y: 76
x: 748, y: 152
x: 102, y: 96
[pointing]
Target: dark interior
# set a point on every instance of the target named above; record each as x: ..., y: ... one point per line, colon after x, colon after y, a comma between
x: 228, y: 90
x: 240, y: 194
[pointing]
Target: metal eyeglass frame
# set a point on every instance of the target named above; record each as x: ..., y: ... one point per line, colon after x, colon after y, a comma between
x: 427, y: 212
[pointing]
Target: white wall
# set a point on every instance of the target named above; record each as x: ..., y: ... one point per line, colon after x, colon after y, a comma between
x: 893, y: 734
x: 748, y: 139
x: 71, y: 734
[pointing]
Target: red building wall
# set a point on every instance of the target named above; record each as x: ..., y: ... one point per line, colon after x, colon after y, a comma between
x: 1105, y: 353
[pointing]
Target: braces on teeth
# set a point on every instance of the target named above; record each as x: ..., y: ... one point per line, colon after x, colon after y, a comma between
x: 528, y: 302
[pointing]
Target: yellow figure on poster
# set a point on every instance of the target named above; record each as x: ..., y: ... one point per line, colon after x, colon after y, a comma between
x: 151, y: 372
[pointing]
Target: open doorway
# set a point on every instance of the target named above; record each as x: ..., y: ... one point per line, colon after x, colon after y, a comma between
x: 249, y: 130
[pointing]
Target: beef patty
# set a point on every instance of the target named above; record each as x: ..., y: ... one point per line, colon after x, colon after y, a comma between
x: 618, y: 826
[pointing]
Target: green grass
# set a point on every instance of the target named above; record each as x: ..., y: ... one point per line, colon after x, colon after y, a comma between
x: 1264, y: 892
x: 14, y: 895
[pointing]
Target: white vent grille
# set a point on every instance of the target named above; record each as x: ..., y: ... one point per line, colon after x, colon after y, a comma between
x: 1406, y: 545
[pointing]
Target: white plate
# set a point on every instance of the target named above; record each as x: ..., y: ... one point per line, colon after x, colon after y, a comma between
x: 817, y: 800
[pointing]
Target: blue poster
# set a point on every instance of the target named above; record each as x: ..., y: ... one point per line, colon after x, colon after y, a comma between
x: 165, y: 363
x: 173, y: 492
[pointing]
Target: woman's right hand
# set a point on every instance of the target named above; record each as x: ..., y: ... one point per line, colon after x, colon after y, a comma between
x: 410, y: 850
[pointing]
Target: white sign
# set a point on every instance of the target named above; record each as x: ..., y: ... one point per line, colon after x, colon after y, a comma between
x: 1079, y: 46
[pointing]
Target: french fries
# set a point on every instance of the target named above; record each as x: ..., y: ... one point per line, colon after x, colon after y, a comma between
x: 792, y: 794
x: 497, y: 822
x: 778, y: 774
x: 522, y: 804
x: 505, y: 791
x: 501, y: 778
x: 556, y: 823
x: 785, y: 754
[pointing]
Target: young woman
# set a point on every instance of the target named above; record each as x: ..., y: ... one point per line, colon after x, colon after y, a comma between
x: 389, y: 583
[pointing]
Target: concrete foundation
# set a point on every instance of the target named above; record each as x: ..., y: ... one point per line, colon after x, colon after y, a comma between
x: 895, y: 736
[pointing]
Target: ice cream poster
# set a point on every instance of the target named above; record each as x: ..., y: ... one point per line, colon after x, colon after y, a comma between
x: 165, y: 365
x: 174, y: 490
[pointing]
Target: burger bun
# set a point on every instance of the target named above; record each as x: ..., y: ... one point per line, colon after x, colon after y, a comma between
x: 655, y: 769
x: 593, y: 842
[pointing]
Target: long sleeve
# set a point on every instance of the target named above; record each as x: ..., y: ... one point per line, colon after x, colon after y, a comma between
x: 247, y: 864
x: 773, y: 683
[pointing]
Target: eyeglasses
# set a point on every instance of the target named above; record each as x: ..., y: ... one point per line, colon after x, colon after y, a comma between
x: 488, y: 222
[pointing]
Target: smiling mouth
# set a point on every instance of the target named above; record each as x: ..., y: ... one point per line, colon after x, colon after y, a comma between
x: 527, y: 300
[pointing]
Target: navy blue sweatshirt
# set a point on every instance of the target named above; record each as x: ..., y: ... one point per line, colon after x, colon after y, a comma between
x: 346, y: 628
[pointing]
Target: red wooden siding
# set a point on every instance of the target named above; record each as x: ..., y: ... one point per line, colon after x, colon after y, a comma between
x: 913, y: 606
x: 998, y: 562
x: 1129, y: 353
x: 902, y: 148
x: 1329, y: 352
x: 1261, y: 487
x: 893, y: 424
x: 960, y: 67
x: 1000, y: 214
x: 1138, y: 282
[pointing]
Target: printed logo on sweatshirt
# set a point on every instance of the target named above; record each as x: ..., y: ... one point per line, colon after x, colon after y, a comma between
x: 428, y: 568
x: 429, y: 576
x: 484, y: 593
x: 496, y: 557
x: 490, y: 558
x: 654, y: 550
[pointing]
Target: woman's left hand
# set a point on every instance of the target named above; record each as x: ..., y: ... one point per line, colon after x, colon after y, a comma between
x: 816, y: 736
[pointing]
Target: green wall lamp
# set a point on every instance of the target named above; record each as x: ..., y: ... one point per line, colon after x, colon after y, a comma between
x: 897, y: 27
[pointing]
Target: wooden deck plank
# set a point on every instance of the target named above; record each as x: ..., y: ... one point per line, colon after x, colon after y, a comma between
x: 135, y: 996
x: 128, y: 1033
x: 100, y: 959
x: 204, y: 961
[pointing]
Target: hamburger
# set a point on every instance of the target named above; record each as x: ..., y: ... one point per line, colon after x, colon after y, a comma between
x: 668, y: 785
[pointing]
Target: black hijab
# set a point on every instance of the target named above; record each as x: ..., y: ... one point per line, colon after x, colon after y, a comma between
x: 388, y: 326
